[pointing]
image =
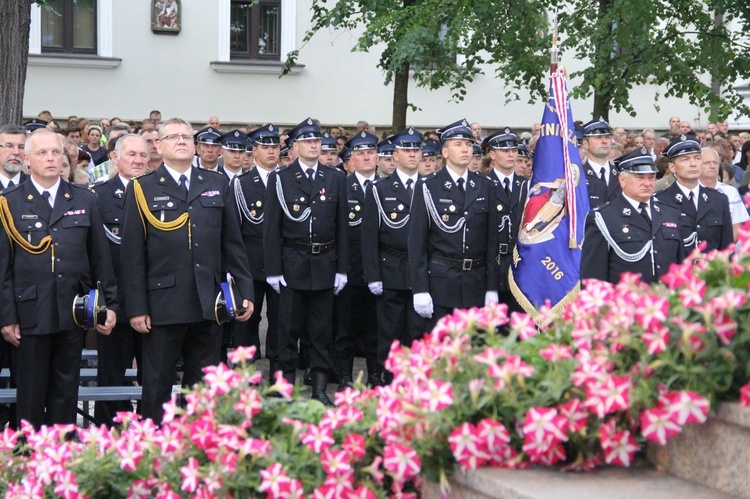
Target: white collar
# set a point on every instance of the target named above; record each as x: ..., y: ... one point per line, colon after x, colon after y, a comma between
x: 501, y: 176
x: 362, y: 179
x: 52, y: 190
x: 455, y: 176
x: 637, y: 204
x: 687, y: 191
x: 597, y: 167
x: 404, y: 177
x: 263, y: 173
x: 124, y: 181
x: 5, y: 180
x: 176, y: 175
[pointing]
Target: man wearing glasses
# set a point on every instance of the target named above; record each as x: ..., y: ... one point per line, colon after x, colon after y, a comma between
x: 12, y: 138
x: 180, y: 236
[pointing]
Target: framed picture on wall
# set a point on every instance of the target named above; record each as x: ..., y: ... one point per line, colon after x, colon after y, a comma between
x: 166, y: 16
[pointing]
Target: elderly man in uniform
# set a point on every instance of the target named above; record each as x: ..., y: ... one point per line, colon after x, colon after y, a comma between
x: 180, y: 237
x: 453, y: 233
x: 250, y: 194
x: 704, y: 212
x: 524, y: 161
x: 52, y: 248
x: 601, y: 175
x: 306, y: 249
x: 385, y: 231
x: 511, y: 192
x: 208, y: 148
x: 12, y: 141
x: 355, y: 305
x: 116, y: 351
x: 635, y: 232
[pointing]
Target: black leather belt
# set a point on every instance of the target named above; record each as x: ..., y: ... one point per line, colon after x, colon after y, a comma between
x: 314, y: 248
x: 403, y: 255
x: 465, y: 264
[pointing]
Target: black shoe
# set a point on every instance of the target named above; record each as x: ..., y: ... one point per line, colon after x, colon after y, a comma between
x: 387, y: 378
x: 320, y: 383
x: 333, y: 375
x: 308, y: 378
x: 345, y: 374
x: 374, y: 373
x: 374, y: 380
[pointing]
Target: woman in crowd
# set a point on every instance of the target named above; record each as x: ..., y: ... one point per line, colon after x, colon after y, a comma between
x: 94, y: 145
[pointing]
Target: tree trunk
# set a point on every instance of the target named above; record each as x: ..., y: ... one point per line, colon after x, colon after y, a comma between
x: 601, y: 105
x: 15, y: 19
x: 400, y: 98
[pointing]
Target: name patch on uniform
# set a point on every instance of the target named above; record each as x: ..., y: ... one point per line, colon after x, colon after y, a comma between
x: 74, y: 212
x: 354, y: 201
x: 480, y: 199
x: 449, y: 201
x: 161, y: 198
x: 390, y: 199
x: 29, y: 217
x: 210, y: 194
x: 671, y: 225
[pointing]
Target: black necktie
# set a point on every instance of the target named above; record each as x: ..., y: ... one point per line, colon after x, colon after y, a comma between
x: 506, y: 186
x: 691, y: 203
x: 460, y: 183
x: 643, y: 207
x: 408, y: 184
x: 603, y: 175
x: 310, y: 173
x: 367, y: 186
x: 183, y: 183
x: 13, y: 184
x: 47, y: 204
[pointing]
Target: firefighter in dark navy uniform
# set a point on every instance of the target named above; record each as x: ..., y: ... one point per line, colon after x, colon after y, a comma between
x: 249, y: 190
x: 511, y: 192
x: 453, y: 233
x: 704, y: 212
x: 180, y: 237
x: 52, y: 248
x: 385, y: 233
x: 601, y: 175
x: 634, y: 233
x: 306, y: 249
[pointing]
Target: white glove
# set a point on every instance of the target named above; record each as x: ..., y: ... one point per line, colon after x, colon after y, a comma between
x: 338, y: 283
x: 376, y: 288
x: 490, y: 297
x: 423, y: 305
x: 276, y: 281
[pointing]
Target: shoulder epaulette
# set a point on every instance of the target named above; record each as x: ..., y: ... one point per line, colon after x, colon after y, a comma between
x: 429, y: 176
x: 379, y: 180
x: 334, y: 168
x: 144, y: 174
x: 87, y: 188
x: 10, y: 189
x: 212, y: 171
x: 597, y: 208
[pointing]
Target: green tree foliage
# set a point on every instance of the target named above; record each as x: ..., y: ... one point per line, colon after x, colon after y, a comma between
x: 680, y: 44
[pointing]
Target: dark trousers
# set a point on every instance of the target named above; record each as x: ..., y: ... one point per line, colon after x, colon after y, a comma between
x: 357, y: 322
x: 47, y: 369
x: 314, y: 313
x: 397, y: 320
x: 510, y: 300
x: 248, y: 333
x: 199, y: 345
x: 115, y: 354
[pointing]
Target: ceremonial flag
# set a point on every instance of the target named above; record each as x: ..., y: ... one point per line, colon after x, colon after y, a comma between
x: 547, y: 258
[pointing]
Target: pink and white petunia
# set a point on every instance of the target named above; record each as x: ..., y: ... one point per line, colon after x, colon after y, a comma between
x: 401, y: 460
x: 658, y: 426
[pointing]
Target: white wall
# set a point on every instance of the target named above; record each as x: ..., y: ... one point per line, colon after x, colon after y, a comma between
x: 173, y: 74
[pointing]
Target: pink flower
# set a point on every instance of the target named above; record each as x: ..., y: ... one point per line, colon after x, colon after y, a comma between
x: 282, y: 386
x: 556, y: 353
x: 468, y: 448
x: 348, y: 397
x: 543, y: 422
x: 620, y: 449
x: 317, y: 438
x: 574, y: 413
x: 130, y: 454
x: 273, y: 480
x: 685, y: 407
x: 255, y: 447
x: 335, y: 461
x: 249, y: 404
x: 141, y: 489
x: 191, y: 478
x: 241, y: 355
x: 202, y: 433
x: 354, y: 445
x: 362, y: 492
x: 494, y: 435
x: 657, y: 426
x: 523, y: 325
x: 725, y: 327
x: 293, y: 490
x: 656, y: 339
x: 437, y: 395
x: 220, y: 379
x: 490, y: 356
x: 66, y: 485
x: 587, y: 372
x: 8, y: 439
x: 401, y: 460
x: 693, y: 292
x: 554, y: 454
x: 651, y: 310
x: 745, y: 395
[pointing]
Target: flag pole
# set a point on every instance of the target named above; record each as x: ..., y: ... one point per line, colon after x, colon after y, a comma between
x: 553, y: 50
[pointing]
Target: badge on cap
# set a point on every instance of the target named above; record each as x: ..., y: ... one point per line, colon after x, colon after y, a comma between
x: 270, y: 128
x: 507, y: 130
x: 236, y: 134
x: 309, y: 121
x: 210, y: 130
x: 643, y: 150
x: 683, y: 137
x: 411, y: 131
x: 363, y: 134
x: 464, y: 122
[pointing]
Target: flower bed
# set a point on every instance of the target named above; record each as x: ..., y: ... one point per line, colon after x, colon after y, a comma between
x: 580, y: 388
